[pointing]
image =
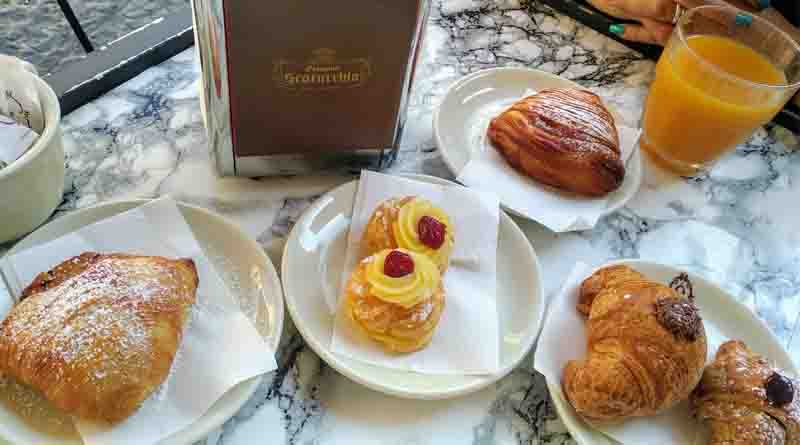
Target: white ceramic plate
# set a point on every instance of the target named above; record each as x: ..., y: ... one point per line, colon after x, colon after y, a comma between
x: 474, y: 100
x: 720, y: 311
x: 242, y: 264
x: 312, y: 265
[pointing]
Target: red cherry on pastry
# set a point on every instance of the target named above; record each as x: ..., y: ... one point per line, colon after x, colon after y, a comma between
x: 398, y: 264
x: 431, y: 232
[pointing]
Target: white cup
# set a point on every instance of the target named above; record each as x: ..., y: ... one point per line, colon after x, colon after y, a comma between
x: 32, y: 186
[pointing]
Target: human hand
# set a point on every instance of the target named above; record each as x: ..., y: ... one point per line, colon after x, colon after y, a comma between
x: 655, y: 17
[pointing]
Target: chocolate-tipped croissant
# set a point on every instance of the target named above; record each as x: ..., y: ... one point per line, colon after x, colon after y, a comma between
x: 745, y: 400
x: 562, y: 137
x: 646, y: 347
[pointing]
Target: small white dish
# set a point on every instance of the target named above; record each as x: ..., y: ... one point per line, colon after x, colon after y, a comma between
x: 461, y: 121
x: 243, y: 266
x: 32, y: 186
x: 721, y: 313
x: 312, y: 266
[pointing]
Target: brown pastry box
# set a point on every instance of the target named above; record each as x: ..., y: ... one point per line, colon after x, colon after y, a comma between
x: 293, y: 86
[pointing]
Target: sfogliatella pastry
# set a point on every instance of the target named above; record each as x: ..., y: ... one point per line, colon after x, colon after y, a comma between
x: 98, y: 333
x: 396, y: 298
x: 410, y: 223
x: 746, y: 401
x: 562, y: 137
x: 646, y: 343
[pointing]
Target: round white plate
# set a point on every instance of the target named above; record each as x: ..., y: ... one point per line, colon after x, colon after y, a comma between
x: 721, y: 313
x: 242, y: 264
x: 312, y: 263
x: 461, y: 121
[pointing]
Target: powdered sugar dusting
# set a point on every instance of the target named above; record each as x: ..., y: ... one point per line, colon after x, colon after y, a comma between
x: 95, y: 324
x: 422, y: 311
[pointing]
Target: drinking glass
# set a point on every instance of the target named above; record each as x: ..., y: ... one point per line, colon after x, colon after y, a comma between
x: 723, y: 74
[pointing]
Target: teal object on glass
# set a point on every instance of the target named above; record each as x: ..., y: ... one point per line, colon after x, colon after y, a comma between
x: 744, y: 19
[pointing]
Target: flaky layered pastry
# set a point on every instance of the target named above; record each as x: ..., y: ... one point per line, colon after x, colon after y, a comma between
x: 646, y: 347
x: 98, y: 333
x: 562, y: 137
x: 746, y: 401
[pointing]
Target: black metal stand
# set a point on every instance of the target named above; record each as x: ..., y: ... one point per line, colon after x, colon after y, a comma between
x: 66, y: 9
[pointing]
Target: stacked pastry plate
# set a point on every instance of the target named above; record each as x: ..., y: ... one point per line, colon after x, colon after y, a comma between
x: 724, y: 318
x: 240, y: 261
x: 312, y: 267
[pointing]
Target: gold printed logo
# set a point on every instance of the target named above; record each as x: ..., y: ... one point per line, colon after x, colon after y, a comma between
x: 322, y: 71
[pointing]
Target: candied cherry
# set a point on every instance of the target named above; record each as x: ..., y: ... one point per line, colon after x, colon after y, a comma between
x: 431, y: 232
x: 398, y: 264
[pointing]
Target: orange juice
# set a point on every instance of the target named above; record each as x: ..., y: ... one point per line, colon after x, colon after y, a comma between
x: 695, y: 110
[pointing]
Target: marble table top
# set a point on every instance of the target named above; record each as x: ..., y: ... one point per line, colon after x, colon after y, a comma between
x: 737, y: 224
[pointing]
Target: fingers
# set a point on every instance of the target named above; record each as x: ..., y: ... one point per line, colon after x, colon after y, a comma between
x: 650, y: 31
x: 747, y: 5
x: 661, y: 10
x: 689, y: 4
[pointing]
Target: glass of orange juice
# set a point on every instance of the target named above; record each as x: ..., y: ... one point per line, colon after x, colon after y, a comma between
x: 723, y: 74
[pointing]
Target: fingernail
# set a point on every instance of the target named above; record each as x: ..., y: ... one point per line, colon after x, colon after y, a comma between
x: 764, y: 4
x: 743, y: 19
x: 617, y: 29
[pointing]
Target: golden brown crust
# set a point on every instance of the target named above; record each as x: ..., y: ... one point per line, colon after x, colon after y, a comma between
x: 635, y: 366
x: 395, y: 328
x: 57, y: 275
x: 98, y: 333
x: 606, y: 277
x: 732, y: 399
x: 562, y: 137
x: 378, y: 234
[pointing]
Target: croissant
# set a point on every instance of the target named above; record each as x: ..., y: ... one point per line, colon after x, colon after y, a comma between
x: 97, y: 334
x: 562, y: 137
x: 411, y: 223
x: 646, y: 343
x: 745, y: 401
x: 395, y: 297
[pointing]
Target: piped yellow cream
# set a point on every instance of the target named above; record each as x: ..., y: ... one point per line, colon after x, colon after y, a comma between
x: 408, y: 290
x: 406, y: 230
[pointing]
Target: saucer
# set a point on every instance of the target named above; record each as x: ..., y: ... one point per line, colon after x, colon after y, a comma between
x: 723, y: 318
x: 461, y: 121
x: 312, y: 267
x: 242, y: 265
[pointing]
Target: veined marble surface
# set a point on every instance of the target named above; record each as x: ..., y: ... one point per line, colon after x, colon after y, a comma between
x: 737, y: 224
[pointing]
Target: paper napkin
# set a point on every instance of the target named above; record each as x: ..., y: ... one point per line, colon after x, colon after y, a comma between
x: 554, y: 350
x: 15, y: 140
x: 466, y: 341
x: 487, y: 170
x: 220, y: 346
x: 21, y: 115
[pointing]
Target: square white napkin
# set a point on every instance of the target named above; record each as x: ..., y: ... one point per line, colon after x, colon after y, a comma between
x: 554, y: 350
x: 220, y: 346
x: 558, y: 211
x: 15, y: 139
x: 466, y: 341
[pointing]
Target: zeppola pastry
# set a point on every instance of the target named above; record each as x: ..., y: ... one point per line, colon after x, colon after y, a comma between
x: 562, y: 137
x: 746, y: 401
x: 646, y: 347
x: 97, y: 334
x: 410, y: 223
x: 395, y: 297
